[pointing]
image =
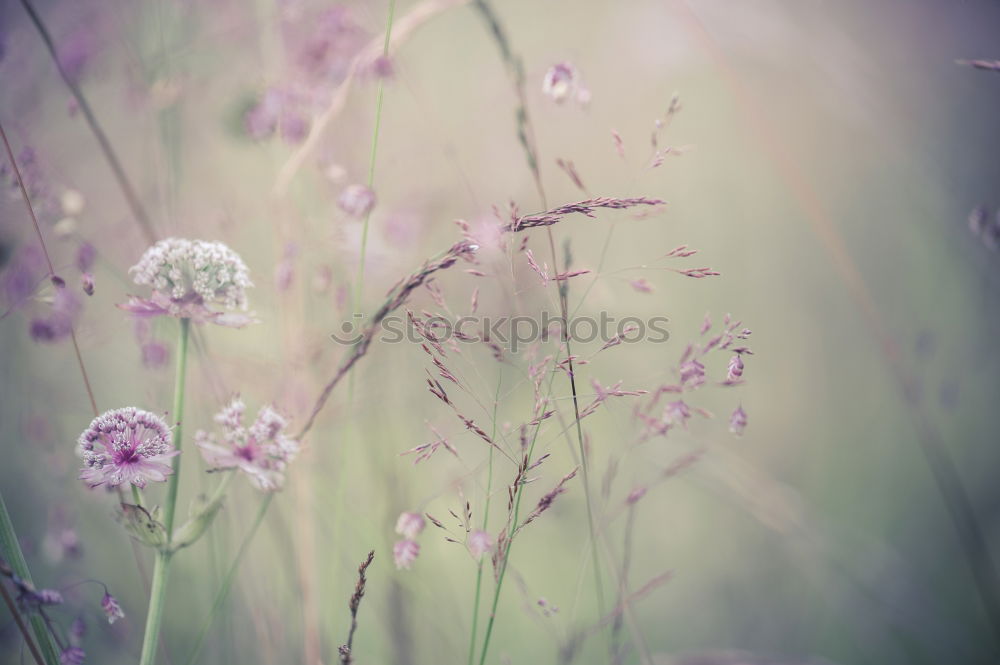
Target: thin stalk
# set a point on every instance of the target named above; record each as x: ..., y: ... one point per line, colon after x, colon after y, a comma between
x: 526, y: 137
x: 486, y: 514
x: 19, y: 620
x: 227, y: 582
x: 359, y: 282
x: 109, y: 154
x: 10, y: 549
x: 154, y: 616
x: 506, y: 554
x: 178, y: 416
x: 161, y: 568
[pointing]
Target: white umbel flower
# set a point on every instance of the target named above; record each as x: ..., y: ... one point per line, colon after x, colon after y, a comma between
x: 188, y: 270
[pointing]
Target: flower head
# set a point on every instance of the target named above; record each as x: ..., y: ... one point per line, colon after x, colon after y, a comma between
x: 409, y: 525
x: 111, y: 608
x: 262, y: 451
x: 405, y: 552
x: 192, y: 279
x: 125, y: 445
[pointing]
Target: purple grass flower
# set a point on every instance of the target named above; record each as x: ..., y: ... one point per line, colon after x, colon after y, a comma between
x: 111, y: 608
x: 72, y: 656
x: 356, y: 200
x: 738, y: 421
x: 405, y: 552
x: 125, y: 445
x: 735, y: 369
x: 261, y: 451
x: 192, y: 279
x: 409, y: 525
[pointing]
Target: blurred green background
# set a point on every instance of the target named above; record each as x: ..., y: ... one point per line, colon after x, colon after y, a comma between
x: 819, y: 536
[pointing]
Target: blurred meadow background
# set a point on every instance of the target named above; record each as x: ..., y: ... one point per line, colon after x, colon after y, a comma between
x: 825, y: 159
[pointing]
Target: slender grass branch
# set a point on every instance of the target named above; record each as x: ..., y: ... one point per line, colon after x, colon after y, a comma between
x: 227, y: 582
x: 486, y: 515
x: 21, y: 626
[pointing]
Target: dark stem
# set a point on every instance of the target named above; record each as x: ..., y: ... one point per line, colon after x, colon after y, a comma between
x: 21, y: 625
x: 138, y: 211
x: 359, y: 591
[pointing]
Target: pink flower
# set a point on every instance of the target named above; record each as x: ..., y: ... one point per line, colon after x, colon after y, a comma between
x: 111, y: 608
x: 405, y: 552
x: 409, y: 525
x: 738, y: 421
x: 356, y: 200
x: 479, y: 543
x: 125, y: 445
x: 261, y: 451
x: 561, y: 81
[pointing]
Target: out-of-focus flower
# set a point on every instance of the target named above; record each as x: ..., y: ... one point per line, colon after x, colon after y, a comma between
x: 87, y: 283
x: 72, y: 656
x: 479, y: 543
x: 356, y: 200
x: 30, y: 599
x: 191, y: 279
x: 261, y: 451
x: 72, y: 202
x: 23, y: 274
x: 75, y: 51
x: 77, y: 631
x: 738, y: 421
x: 409, y: 525
x: 85, y: 256
x: 677, y: 413
x: 155, y: 355
x: 405, y: 552
x: 277, y: 110
x: 563, y: 81
x: 126, y: 446
x: 112, y: 610
x: 57, y: 323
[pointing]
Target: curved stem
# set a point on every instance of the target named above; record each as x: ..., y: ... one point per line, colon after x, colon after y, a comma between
x: 227, y: 582
x: 109, y: 154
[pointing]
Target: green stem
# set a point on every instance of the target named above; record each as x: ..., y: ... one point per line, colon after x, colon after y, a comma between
x: 178, y: 417
x: 227, y: 582
x: 371, y: 160
x: 158, y: 590
x: 10, y: 549
x: 486, y: 515
x: 510, y: 543
x: 154, y: 616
